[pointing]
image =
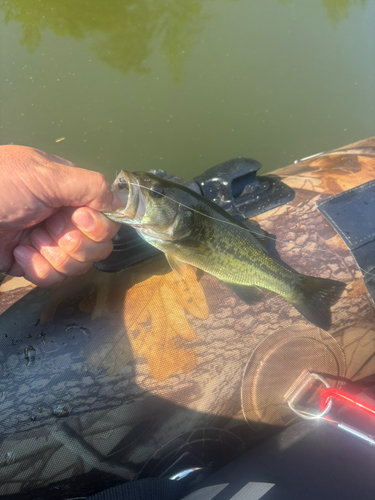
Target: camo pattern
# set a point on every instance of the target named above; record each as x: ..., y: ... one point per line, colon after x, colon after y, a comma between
x: 70, y: 426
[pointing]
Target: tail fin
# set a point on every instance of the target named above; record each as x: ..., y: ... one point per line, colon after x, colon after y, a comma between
x: 314, y: 297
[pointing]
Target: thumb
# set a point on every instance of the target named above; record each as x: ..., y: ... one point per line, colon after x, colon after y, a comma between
x: 71, y: 186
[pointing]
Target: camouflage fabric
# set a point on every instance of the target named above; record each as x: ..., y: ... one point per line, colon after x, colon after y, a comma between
x: 112, y: 376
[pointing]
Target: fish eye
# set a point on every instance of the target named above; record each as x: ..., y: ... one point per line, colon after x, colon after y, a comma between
x: 157, y: 191
x: 123, y: 183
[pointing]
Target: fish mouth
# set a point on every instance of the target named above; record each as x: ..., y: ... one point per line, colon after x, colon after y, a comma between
x: 126, y: 187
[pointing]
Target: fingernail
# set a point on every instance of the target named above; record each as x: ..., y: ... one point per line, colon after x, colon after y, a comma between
x: 83, y: 220
x: 55, y: 224
x: 22, y: 255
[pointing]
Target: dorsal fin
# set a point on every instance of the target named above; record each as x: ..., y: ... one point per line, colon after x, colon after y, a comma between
x: 259, y: 234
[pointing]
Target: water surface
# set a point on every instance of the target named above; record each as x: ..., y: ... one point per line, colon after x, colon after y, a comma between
x: 184, y: 85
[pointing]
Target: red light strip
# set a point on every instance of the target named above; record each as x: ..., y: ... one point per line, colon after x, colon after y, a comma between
x: 332, y: 393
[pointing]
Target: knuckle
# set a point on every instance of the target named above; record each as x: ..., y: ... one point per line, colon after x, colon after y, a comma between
x: 44, y: 277
x: 105, y: 249
x: 60, y: 261
x: 67, y: 265
x: 102, y: 182
x: 73, y: 245
x: 84, y: 250
x: 84, y: 269
x: 43, y: 273
x: 55, y: 280
x: 105, y: 232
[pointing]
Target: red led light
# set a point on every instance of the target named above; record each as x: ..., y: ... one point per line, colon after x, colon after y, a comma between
x: 332, y: 393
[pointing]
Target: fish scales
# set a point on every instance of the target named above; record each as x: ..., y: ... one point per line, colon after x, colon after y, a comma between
x: 192, y: 230
x: 231, y: 249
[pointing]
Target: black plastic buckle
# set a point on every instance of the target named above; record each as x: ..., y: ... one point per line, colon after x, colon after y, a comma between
x: 233, y: 185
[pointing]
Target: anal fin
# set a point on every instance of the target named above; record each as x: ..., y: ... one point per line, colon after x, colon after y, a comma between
x: 199, y: 274
x: 249, y: 294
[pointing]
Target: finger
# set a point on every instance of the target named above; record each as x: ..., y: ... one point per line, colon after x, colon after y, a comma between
x: 71, y: 186
x: 73, y: 241
x: 16, y: 269
x: 36, y: 268
x: 8, y: 241
x: 94, y: 224
x: 57, y: 257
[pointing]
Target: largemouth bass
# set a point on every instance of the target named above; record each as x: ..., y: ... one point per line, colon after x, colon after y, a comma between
x: 190, y: 229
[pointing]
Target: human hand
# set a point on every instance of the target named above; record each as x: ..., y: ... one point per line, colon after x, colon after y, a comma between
x: 50, y: 221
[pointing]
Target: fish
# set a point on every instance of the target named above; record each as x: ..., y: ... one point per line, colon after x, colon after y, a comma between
x: 192, y: 230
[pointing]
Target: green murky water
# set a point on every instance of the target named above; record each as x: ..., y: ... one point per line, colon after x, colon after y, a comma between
x: 185, y: 84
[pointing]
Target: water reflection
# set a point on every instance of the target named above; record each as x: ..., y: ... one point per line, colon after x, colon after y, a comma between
x: 337, y: 10
x: 124, y: 33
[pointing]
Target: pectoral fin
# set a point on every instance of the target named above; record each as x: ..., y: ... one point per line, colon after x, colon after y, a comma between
x: 177, y: 266
x: 195, y: 246
x: 249, y: 294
